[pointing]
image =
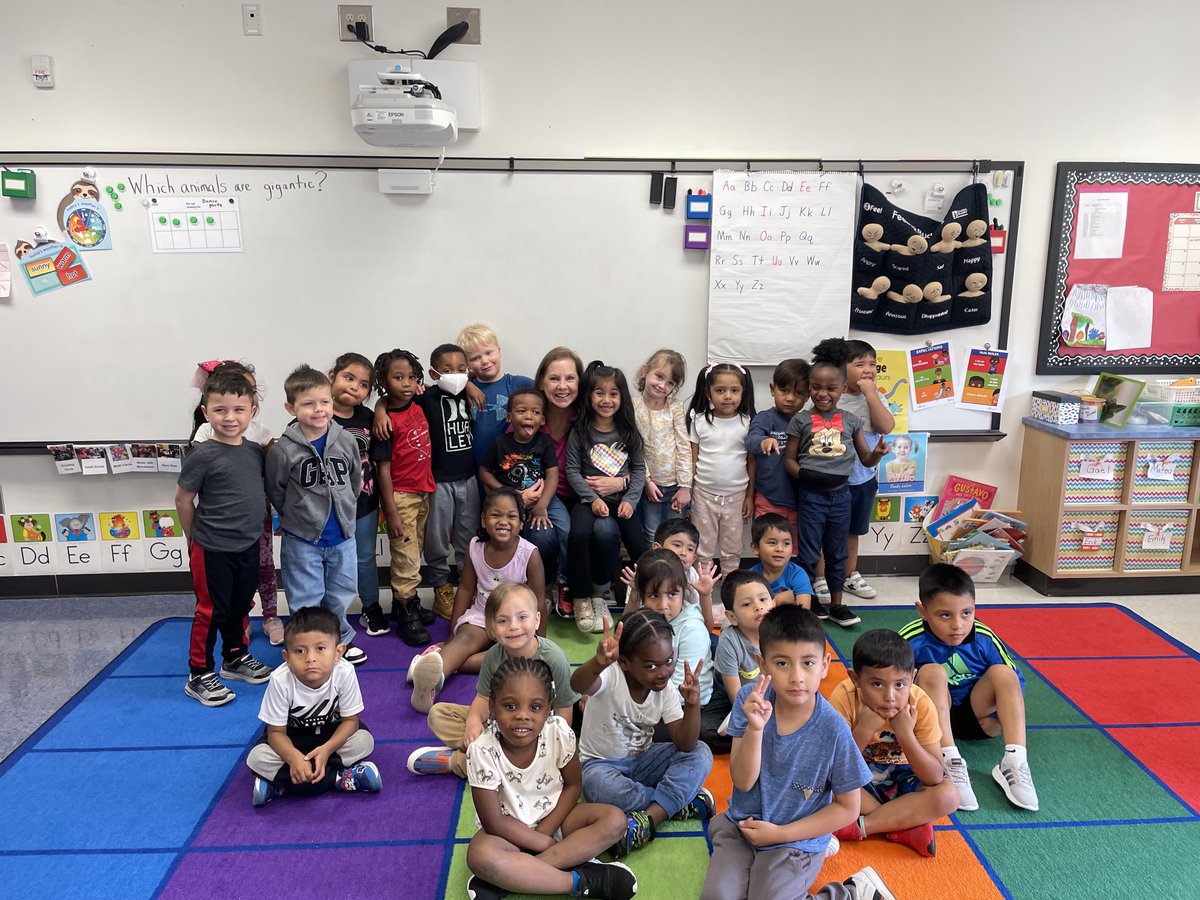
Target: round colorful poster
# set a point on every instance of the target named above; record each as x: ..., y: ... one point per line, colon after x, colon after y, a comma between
x: 85, y: 223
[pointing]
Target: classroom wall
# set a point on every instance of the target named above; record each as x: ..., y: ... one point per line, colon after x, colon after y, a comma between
x: 1020, y: 80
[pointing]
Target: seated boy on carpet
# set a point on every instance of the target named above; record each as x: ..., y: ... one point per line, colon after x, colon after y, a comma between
x: 895, y: 725
x: 796, y: 776
x: 314, y: 741
x: 973, y: 681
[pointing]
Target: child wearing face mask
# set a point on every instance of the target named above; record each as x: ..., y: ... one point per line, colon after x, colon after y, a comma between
x: 454, y: 505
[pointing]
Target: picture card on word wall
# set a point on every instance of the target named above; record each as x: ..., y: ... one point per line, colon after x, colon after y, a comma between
x: 145, y: 457
x: 931, y: 374
x: 170, y: 457
x: 92, y: 459
x: 119, y: 458
x: 64, y: 458
x: 75, y: 526
x: 983, y: 382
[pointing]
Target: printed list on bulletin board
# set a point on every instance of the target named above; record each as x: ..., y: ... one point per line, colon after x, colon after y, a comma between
x: 780, y: 264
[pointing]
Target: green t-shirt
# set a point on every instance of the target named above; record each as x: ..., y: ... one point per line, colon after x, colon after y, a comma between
x: 549, y: 653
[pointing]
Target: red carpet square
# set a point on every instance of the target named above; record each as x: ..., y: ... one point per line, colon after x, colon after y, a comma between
x: 1079, y: 632
x: 1164, y: 752
x: 1130, y: 691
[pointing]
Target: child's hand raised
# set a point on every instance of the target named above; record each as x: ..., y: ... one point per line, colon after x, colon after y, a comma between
x: 689, y: 689
x: 706, y: 572
x: 629, y: 576
x: 609, y: 647
x: 757, y: 707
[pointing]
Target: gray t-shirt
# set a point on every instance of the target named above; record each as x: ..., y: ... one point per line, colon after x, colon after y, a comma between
x: 827, y: 451
x: 857, y: 404
x: 799, y: 772
x: 233, y: 500
x: 549, y: 653
x: 735, y: 656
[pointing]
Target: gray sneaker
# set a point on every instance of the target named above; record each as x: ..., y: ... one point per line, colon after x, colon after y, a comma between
x: 246, y: 668
x: 206, y: 688
x: 956, y: 768
x: 1017, y: 783
x: 821, y: 590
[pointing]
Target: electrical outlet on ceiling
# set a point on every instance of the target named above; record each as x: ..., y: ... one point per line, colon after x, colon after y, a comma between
x: 348, y: 15
x: 470, y: 15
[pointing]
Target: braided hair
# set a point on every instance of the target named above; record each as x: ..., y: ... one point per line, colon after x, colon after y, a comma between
x: 384, y: 361
x: 643, y: 625
x: 520, y: 665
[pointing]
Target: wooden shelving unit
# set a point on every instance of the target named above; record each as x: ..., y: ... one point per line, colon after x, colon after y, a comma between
x: 1110, y: 504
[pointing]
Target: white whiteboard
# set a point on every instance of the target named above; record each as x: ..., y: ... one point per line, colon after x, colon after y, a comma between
x: 329, y: 265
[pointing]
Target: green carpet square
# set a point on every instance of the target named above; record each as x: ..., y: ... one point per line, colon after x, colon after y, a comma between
x: 669, y: 868
x: 1089, y: 862
x: 578, y: 647
x: 1046, y: 706
x: 1080, y: 776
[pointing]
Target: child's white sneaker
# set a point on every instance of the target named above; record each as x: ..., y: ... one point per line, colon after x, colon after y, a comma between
x: 427, y: 680
x: 956, y: 768
x: 1014, y: 778
x: 857, y: 585
x: 821, y: 590
x: 867, y: 885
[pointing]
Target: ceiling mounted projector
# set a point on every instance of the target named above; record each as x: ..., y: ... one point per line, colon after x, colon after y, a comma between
x: 403, y: 110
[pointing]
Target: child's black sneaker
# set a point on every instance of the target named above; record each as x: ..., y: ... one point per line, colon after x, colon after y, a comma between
x: 843, y: 615
x: 614, y: 881
x: 246, y: 668
x: 639, y: 831
x: 818, y: 608
x: 373, y: 621
x: 411, y: 630
x: 702, y: 807
x: 478, y: 889
x: 356, y: 656
x: 208, y: 690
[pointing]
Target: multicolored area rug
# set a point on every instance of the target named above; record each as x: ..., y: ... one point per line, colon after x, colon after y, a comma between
x: 132, y: 790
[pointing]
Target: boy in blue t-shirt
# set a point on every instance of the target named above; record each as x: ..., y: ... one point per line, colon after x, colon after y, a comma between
x: 771, y: 541
x: 973, y: 681
x: 774, y: 489
x: 483, y: 360
x: 796, y: 774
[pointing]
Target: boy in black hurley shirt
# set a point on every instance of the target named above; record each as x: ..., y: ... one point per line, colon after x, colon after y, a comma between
x: 454, y: 505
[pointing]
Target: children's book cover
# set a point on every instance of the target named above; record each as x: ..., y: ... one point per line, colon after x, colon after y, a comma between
x: 119, y: 526
x: 75, y: 526
x: 984, y: 566
x: 891, y: 377
x: 31, y: 528
x: 983, y: 383
x: 959, y: 490
x: 160, y: 523
x: 902, y: 470
x: 932, y: 375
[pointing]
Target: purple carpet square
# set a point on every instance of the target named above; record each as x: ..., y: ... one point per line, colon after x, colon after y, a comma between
x: 406, y: 871
x: 389, y: 652
x: 408, y: 808
x: 387, y: 697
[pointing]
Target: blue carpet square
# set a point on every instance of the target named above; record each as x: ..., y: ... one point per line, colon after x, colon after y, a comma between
x: 165, y: 650
x: 154, y: 712
x: 130, y: 876
x: 132, y: 799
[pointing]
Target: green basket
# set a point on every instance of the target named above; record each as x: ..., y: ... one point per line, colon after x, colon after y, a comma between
x: 1185, y: 414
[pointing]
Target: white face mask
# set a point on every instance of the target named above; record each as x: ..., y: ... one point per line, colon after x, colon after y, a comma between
x: 452, y: 382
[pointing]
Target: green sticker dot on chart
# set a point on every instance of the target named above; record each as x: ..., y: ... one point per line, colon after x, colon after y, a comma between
x: 118, y: 207
x: 210, y: 220
x: 176, y: 222
x: 193, y: 220
x: 120, y: 185
x: 162, y: 220
x: 111, y: 190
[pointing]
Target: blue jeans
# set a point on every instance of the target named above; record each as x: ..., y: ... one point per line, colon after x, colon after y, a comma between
x: 822, y: 525
x: 664, y: 774
x: 547, y: 539
x: 320, y: 576
x: 654, y: 514
x: 366, y: 533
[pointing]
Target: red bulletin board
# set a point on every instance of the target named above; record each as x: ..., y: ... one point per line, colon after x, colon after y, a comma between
x: 1160, y: 252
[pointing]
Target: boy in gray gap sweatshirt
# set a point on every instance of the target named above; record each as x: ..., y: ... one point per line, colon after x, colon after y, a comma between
x: 313, y: 478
